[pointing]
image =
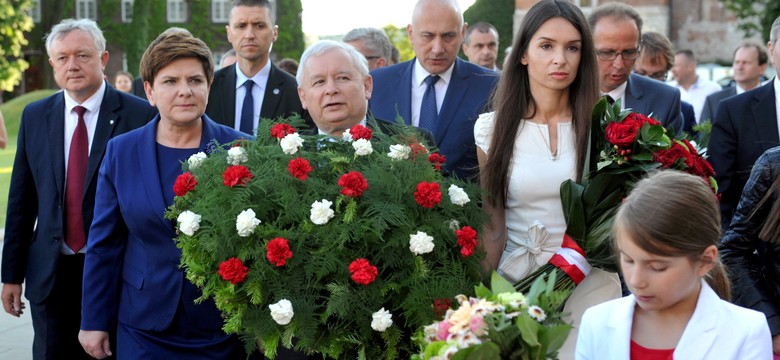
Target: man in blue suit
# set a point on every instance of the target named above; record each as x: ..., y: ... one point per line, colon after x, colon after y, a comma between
x: 616, y: 32
x: 745, y: 126
x: 61, y: 143
x: 436, y: 90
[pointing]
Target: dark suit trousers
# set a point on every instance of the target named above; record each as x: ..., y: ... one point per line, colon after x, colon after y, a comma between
x: 56, y: 320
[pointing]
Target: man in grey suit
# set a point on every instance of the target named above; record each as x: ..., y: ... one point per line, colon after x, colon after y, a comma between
x: 616, y: 32
x: 750, y: 61
x: 253, y: 87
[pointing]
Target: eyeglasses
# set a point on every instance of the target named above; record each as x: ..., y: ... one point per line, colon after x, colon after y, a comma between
x: 369, y: 58
x: 661, y: 75
x: 610, y: 55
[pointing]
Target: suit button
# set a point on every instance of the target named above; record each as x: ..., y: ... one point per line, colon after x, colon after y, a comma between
x: 56, y: 239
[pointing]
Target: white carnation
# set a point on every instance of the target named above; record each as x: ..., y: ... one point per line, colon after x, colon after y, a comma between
x: 236, y: 155
x: 346, y: 136
x: 291, y: 143
x: 189, y: 222
x: 282, y: 312
x: 381, y: 320
x: 362, y: 147
x: 399, y: 152
x: 321, y: 212
x: 453, y: 224
x: 458, y: 196
x: 196, y: 160
x: 246, y: 222
x: 537, y: 313
x: 421, y: 243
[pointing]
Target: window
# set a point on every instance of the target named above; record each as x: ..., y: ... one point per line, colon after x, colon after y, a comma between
x: 35, y: 11
x: 177, y: 11
x: 220, y: 11
x: 86, y: 9
x: 127, y: 11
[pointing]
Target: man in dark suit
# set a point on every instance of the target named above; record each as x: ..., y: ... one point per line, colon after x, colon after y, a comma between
x: 745, y: 126
x: 654, y: 61
x: 272, y: 91
x: 616, y: 32
x: 750, y: 61
x: 61, y: 143
x: 437, y: 90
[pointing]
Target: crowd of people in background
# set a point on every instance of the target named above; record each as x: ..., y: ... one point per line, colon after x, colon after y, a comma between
x: 95, y: 165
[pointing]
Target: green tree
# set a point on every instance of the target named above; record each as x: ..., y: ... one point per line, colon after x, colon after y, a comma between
x: 400, y: 39
x: 14, y: 22
x: 755, y: 16
x: 499, y: 13
x: 290, y: 43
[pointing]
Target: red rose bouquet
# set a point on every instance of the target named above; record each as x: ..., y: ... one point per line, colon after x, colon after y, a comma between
x: 343, y: 247
x: 624, y: 146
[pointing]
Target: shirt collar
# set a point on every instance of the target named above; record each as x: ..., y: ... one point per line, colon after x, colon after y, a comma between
x: 362, y: 122
x: 92, y: 104
x: 420, y: 73
x: 260, y: 79
x: 619, y: 92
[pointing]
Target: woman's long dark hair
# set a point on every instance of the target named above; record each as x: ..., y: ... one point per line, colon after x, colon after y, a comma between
x: 513, y: 101
x: 770, y: 230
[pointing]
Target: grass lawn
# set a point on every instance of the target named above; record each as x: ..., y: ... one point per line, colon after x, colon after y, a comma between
x: 12, y: 112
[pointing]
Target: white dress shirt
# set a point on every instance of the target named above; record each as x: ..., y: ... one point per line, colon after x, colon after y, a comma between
x: 258, y: 93
x: 419, y: 86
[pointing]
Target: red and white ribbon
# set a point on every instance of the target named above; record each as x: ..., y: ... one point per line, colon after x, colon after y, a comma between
x: 571, y: 259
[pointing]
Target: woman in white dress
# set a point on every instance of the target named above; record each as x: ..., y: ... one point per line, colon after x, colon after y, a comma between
x: 535, y: 140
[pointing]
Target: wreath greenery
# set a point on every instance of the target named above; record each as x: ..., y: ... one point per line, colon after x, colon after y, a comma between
x: 304, y: 243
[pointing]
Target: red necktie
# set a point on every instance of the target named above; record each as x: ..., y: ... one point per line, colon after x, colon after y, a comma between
x: 74, y: 185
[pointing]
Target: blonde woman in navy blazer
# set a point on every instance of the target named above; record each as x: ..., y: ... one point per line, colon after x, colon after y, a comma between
x: 679, y: 305
x: 132, y: 280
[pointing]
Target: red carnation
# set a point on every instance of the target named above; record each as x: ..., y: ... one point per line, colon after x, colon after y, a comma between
x: 437, y: 160
x: 440, y: 307
x: 184, y: 183
x: 278, y: 251
x: 233, y: 270
x: 362, y: 271
x: 299, y: 168
x: 353, y: 184
x: 427, y: 194
x: 360, y: 132
x: 279, y: 131
x: 236, y: 175
x: 467, y: 239
x: 669, y: 157
x: 417, y: 148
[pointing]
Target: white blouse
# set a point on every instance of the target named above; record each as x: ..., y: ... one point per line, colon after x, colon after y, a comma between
x: 534, y: 214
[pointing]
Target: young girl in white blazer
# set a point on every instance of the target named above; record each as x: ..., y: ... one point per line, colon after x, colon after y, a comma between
x: 666, y: 235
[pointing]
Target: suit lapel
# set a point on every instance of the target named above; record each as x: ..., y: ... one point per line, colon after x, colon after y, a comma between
x: 228, y: 108
x: 404, y: 97
x: 765, y: 117
x: 633, y: 98
x: 619, y: 328
x: 452, y: 100
x: 147, y: 165
x: 700, y: 333
x: 55, y: 115
x: 106, y: 122
x: 273, y: 94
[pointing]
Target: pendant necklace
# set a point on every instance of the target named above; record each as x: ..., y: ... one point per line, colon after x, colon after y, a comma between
x: 553, y: 154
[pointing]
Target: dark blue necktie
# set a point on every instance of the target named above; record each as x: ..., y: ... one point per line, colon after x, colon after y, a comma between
x: 429, y: 115
x: 247, y: 110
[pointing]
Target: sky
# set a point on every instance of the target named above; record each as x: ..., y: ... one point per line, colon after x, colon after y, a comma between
x: 337, y: 17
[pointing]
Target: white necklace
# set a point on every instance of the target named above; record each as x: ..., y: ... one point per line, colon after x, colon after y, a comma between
x: 553, y: 153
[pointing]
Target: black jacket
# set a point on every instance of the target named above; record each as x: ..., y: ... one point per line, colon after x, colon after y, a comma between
x: 754, y: 265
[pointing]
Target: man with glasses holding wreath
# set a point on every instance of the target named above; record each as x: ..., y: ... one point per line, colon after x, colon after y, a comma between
x: 616, y: 32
